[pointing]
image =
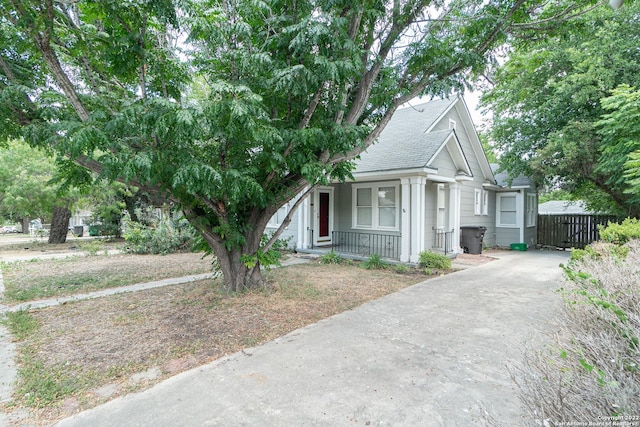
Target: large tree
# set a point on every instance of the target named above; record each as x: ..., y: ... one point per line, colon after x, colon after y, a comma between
x: 229, y: 108
x: 547, y: 106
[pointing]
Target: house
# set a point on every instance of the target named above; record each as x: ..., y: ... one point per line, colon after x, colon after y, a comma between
x: 425, y: 178
x: 563, y: 207
x: 516, y: 210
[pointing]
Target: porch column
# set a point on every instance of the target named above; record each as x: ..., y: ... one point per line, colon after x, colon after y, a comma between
x: 454, y: 216
x: 405, y: 220
x: 303, y: 236
x: 417, y: 217
x: 301, y: 226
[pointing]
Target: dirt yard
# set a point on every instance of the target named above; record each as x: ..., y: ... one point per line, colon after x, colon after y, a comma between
x: 84, y: 353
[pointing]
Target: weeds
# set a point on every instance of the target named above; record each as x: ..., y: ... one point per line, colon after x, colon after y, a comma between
x: 374, y: 262
x: 20, y: 323
x: 331, y: 258
x: 92, y: 247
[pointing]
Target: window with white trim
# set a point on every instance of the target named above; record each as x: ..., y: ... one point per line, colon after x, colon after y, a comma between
x: 531, y: 210
x: 477, y: 201
x: 452, y: 124
x: 507, y: 210
x: 485, y: 202
x: 442, y: 208
x: 376, y: 206
x: 276, y: 220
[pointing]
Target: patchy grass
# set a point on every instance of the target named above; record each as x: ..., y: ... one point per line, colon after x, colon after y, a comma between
x: 73, y: 352
x: 46, y: 278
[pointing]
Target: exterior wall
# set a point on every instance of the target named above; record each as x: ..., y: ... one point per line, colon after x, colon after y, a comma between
x: 506, y: 236
x: 290, y: 233
x: 467, y: 188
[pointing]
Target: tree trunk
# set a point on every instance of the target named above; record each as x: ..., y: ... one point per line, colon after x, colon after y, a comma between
x: 26, y: 222
x: 239, y: 264
x: 59, y: 225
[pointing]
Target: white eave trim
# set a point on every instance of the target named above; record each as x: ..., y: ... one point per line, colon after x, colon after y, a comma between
x: 392, y: 174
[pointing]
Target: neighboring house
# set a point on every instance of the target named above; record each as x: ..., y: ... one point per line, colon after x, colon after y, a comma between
x: 563, y: 207
x: 516, y: 210
x: 425, y: 178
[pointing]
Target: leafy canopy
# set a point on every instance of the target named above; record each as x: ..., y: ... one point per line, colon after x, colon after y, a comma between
x: 547, y: 105
x: 231, y: 108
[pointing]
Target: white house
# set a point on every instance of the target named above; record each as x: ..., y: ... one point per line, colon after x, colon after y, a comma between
x: 425, y: 178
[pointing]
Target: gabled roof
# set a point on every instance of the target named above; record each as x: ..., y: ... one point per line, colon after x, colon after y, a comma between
x: 415, y: 150
x: 409, y: 143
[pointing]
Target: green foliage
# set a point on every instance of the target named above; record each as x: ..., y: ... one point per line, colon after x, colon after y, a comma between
x: 92, y: 247
x: 331, y: 258
x: 431, y: 260
x: 551, y: 117
x: 169, y: 235
x: 374, y: 262
x: 229, y: 110
x: 401, y: 268
x: 40, y: 385
x: 25, y: 189
x: 621, y: 233
x: 20, y: 323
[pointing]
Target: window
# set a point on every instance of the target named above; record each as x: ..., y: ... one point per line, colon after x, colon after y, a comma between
x: 276, y: 220
x: 364, y: 207
x: 531, y: 210
x: 507, y: 210
x: 477, y: 202
x: 442, y: 210
x: 485, y: 202
x: 376, y: 206
x: 452, y: 124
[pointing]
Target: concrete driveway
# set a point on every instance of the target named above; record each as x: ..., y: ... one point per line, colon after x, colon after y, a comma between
x: 430, y: 355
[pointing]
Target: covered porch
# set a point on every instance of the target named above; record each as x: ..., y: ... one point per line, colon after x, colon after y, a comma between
x: 358, y: 245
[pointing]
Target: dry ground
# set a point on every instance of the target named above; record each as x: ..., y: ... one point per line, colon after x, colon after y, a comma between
x: 87, y: 352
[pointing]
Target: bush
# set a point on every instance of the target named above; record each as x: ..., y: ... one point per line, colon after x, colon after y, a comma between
x: 430, y: 260
x: 374, y: 262
x: 331, y: 258
x: 620, y: 233
x: 590, y: 365
x: 168, y: 236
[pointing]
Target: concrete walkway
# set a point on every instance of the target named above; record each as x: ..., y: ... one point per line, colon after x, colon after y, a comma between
x: 431, y: 355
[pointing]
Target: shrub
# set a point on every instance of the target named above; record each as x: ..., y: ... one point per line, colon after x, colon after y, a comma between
x: 331, y: 258
x: 620, y: 233
x: 168, y: 236
x: 428, y: 259
x: 374, y: 262
x: 589, y: 366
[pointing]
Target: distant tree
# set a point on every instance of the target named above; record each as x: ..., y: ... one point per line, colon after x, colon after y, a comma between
x: 25, y: 192
x: 231, y: 108
x: 546, y: 106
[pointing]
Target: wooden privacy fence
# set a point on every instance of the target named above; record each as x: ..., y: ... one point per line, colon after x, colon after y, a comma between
x: 570, y: 231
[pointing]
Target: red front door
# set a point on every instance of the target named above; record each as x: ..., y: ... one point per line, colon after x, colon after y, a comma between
x: 323, y: 218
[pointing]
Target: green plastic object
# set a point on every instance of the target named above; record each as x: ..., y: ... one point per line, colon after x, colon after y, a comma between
x: 518, y: 246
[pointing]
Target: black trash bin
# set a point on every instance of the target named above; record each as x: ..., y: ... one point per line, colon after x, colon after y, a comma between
x: 471, y: 238
x: 78, y: 230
